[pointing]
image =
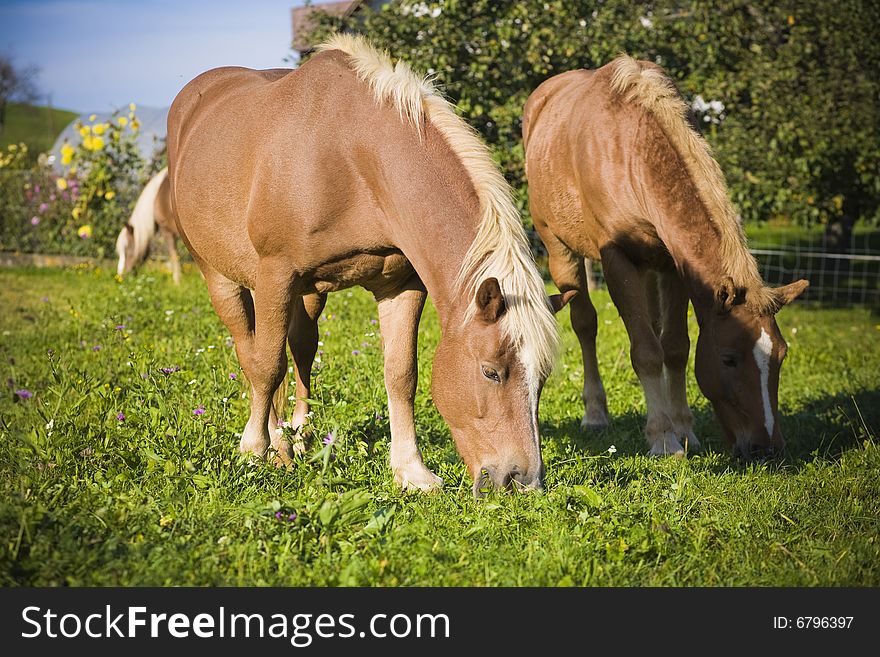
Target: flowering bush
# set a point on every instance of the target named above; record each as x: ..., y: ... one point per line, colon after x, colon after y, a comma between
x: 78, y: 207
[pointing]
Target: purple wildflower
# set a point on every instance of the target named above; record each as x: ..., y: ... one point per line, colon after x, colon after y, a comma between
x: 97, y: 347
x: 200, y: 410
x: 365, y: 344
x: 279, y: 515
x: 24, y: 393
x: 233, y: 376
x: 35, y: 221
x: 45, y: 299
x: 355, y: 352
x: 119, y: 327
x: 374, y: 321
x: 120, y: 417
x: 378, y: 416
x: 36, y: 189
x: 291, y: 517
x: 42, y: 207
x: 329, y: 439
x: 168, y: 371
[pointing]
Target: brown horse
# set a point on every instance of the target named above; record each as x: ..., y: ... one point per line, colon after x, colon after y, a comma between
x: 151, y: 213
x: 616, y: 172
x: 353, y: 171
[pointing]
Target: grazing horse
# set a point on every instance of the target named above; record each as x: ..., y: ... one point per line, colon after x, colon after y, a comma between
x: 151, y: 213
x: 616, y: 172
x: 350, y: 170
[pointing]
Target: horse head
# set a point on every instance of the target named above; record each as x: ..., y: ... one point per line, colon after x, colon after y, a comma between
x: 126, y: 250
x: 739, y: 355
x: 486, y: 386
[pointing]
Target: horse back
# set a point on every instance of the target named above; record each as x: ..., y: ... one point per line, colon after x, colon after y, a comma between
x: 583, y: 159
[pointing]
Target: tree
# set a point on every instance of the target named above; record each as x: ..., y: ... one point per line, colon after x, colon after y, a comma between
x: 16, y: 84
x: 795, y: 122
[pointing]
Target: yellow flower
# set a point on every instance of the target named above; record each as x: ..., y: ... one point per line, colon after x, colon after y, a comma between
x: 92, y: 117
x: 72, y: 171
x: 135, y: 125
x: 85, y: 232
x: 123, y: 121
x: 61, y: 183
x: 84, y: 131
x: 132, y: 107
x: 66, y: 154
x: 76, y: 213
x: 100, y: 128
x: 109, y: 195
x: 93, y: 143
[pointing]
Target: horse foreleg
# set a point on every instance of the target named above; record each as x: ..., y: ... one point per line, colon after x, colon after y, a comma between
x: 627, y: 287
x: 173, y: 259
x: 569, y: 273
x: 676, y: 347
x: 399, y: 324
x: 303, y: 340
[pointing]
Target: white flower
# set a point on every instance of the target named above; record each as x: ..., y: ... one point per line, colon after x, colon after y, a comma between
x: 646, y: 22
x: 612, y: 449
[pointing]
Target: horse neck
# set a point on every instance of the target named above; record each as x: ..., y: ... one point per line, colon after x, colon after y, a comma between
x: 705, y: 249
x: 438, y: 213
x: 693, y: 241
x: 436, y: 245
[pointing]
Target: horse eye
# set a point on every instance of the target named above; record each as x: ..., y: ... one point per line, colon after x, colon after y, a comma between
x: 729, y: 360
x: 489, y: 373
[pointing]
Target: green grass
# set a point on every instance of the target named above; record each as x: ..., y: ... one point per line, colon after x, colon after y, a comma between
x: 34, y: 125
x: 163, y: 498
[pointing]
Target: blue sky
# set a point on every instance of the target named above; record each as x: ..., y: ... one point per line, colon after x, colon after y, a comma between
x: 98, y: 55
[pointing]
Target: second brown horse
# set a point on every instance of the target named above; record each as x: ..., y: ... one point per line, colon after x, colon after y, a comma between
x: 616, y: 172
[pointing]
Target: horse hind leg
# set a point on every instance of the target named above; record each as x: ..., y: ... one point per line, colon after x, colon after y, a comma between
x: 399, y: 323
x: 302, y: 337
x: 266, y: 365
x: 235, y: 307
x: 676, y: 347
x: 568, y: 271
x: 632, y: 292
x: 173, y: 259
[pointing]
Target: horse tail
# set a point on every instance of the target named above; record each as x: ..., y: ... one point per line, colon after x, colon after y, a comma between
x: 279, y: 399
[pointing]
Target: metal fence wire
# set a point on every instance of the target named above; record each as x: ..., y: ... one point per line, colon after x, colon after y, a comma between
x: 838, y: 277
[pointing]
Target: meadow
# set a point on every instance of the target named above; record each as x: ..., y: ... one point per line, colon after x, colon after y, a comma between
x: 119, y: 462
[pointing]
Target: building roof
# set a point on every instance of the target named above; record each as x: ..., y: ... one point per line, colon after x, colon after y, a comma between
x: 302, y: 23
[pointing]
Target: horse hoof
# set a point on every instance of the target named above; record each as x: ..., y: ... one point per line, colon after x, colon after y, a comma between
x: 667, y: 446
x: 595, y: 422
x: 425, y: 481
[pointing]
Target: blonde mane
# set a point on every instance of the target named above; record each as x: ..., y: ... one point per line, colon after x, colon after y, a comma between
x: 142, y: 218
x: 654, y: 91
x: 500, y: 248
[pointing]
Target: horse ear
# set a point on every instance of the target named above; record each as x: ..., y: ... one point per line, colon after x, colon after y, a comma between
x: 129, y: 228
x: 788, y: 293
x: 490, y: 301
x: 725, y: 296
x: 559, y: 301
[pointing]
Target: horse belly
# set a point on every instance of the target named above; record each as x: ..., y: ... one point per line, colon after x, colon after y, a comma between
x: 379, y: 273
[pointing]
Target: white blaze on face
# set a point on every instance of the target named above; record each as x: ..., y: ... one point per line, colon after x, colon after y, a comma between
x: 761, y: 351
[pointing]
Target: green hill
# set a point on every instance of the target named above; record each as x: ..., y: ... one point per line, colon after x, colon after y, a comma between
x: 35, y: 125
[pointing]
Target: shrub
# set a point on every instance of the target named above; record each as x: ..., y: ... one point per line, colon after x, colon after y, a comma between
x: 79, y: 208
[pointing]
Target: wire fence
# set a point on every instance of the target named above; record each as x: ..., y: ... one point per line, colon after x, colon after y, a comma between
x: 842, y: 275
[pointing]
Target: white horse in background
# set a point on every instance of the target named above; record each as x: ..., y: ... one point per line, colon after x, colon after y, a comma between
x: 152, y: 213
